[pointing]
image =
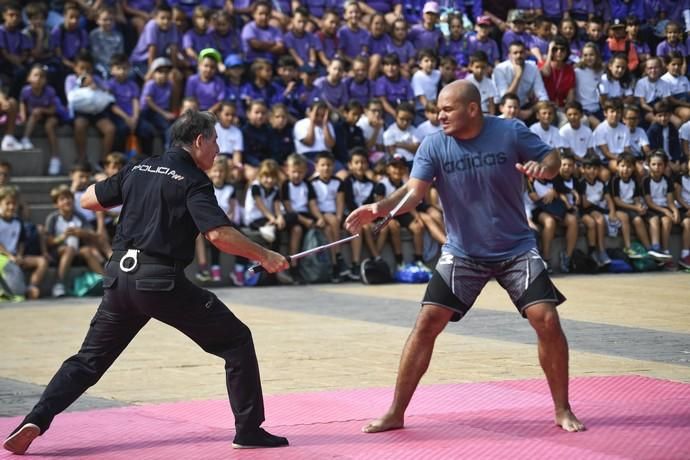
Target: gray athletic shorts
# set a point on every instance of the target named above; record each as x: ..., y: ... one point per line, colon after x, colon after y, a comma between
x: 457, y: 281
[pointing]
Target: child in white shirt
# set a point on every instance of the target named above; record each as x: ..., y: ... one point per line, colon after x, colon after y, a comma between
x: 487, y: 89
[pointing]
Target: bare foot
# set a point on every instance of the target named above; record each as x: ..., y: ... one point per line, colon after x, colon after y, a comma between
x: 567, y: 420
x: 386, y: 423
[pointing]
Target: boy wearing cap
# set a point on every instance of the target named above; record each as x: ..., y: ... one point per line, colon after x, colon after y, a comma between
x: 234, y: 69
x: 482, y: 42
x: 156, y: 98
x: 426, y: 35
x: 207, y: 87
x: 517, y: 31
x: 618, y: 42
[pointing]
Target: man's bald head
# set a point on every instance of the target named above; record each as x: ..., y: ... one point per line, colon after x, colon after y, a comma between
x: 462, y: 91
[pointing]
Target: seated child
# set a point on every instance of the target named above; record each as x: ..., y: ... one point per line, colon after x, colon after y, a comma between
x: 595, y: 205
x: 12, y: 242
x: 67, y: 233
x: 662, y: 212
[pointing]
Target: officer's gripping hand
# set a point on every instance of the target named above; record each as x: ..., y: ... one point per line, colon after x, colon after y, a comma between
x: 274, y: 262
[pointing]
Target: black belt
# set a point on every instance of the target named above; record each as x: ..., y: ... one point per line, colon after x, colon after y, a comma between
x: 138, y: 257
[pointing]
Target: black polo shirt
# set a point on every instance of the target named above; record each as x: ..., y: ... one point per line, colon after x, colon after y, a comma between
x: 166, y: 201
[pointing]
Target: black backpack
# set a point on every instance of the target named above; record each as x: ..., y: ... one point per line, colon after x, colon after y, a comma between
x: 317, y: 267
x: 581, y: 263
x: 375, y: 271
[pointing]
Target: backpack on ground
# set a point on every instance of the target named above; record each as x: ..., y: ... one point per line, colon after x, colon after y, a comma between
x: 12, y: 282
x: 375, y: 271
x: 88, y: 284
x: 317, y: 267
x: 581, y: 263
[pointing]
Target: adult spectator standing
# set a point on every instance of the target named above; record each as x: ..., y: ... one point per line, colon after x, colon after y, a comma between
x: 519, y: 76
x: 478, y: 159
x: 145, y: 279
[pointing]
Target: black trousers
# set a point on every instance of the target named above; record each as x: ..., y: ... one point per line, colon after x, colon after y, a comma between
x: 159, y: 291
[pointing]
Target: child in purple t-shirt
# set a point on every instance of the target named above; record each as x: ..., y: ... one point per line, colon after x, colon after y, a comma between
x: 156, y: 107
x: 392, y: 88
x: 69, y: 39
x: 402, y: 47
x: 14, y: 48
x: 457, y: 43
x: 259, y: 38
x: 234, y: 72
x: 359, y: 87
x: 207, y: 87
x: 333, y: 88
x: 328, y: 38
x: 198, y: 37
x: 482, y: 42
x: 308, y: 92
x: 38, y: 104
x: 259, y: 88
x: 673, y: 42
x: 224, y: 37
x: 378, y: 44
x: 287, y: 87
x: 158, y: 39
x: 427, y: 35
x: 302, y: 45
x: 352, y: 39
x: 126, y: 111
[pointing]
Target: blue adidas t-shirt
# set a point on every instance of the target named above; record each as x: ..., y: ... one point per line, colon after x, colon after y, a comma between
x: 480, y: 189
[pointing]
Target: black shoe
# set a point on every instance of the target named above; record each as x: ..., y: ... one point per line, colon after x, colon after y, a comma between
x: 257, y: 440
x: 21, y: 438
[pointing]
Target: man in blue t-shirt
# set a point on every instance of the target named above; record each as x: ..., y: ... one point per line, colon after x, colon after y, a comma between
x: 478, y: 162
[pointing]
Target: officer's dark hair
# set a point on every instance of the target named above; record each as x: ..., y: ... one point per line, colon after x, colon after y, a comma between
x: 190, y: 125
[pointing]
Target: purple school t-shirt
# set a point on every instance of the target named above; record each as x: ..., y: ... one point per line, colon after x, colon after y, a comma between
x: 405, y: 52
x: 457, y: 49
x: 335, y: 95
x: 14, y: 41
x: 353, y: 43
x: 317, y: 7
x: 378, y: 45
x: 510, y: 36
x: 664, y: 48
x: 152, y: 35
x: 529, y: 4
x: 229, y: 43
x: 360, y: 92
x: 32, y: 100
x: 124, y: 93
x: 582, y: 7
x: 422, y: 38
x: 69, y: 42
x: 383, y: 6
x: 302, y: 44
x: 395, y: 92
x: 159, y: 94
x: 252, y: 31
x: 555, y: 8
x: 329, y: 45
x: 196, y: 41
x: 142, y: 5
x: 489, y: 47
x: 206, y: 92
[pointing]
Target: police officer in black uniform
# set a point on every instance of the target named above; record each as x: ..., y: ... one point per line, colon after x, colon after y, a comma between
x: 166, y: 201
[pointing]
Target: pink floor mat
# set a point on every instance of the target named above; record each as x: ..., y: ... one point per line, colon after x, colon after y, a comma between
x: 627, y: 417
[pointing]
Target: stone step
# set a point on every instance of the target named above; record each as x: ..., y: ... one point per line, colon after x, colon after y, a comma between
x: 26, y: 162
x: 36, y: 189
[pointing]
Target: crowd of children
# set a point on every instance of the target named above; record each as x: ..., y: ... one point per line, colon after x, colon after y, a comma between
x: 322, y: 101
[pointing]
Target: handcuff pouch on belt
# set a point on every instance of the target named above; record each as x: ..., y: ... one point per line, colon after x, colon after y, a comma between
x: 133, y: 255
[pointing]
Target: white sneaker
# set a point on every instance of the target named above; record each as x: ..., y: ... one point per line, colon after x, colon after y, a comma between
x: 59, y: 290
x: 26, y: 144
x: 54, y: 166
x: 10, y: 143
